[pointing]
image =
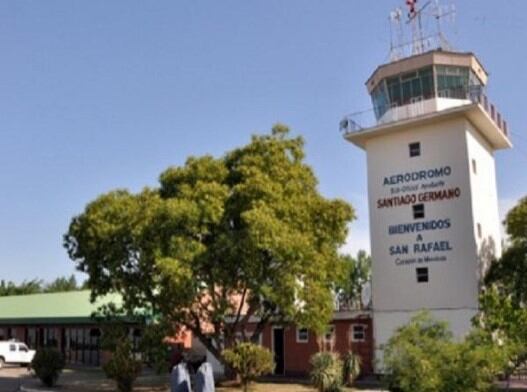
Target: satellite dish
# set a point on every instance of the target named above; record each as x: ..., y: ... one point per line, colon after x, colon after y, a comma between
x: 366, y: 295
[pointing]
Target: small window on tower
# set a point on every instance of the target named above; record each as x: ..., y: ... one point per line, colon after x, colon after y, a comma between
x: 474, y: 167
x: 415, y: 149
x: 480, y: 233
x: 419, y: 211
x: 422, y: 274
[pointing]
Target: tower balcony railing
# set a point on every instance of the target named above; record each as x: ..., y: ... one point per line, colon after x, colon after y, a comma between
x: 445, y: 99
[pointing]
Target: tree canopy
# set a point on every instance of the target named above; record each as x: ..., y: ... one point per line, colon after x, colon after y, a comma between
x: 356, y: 275
x: 503, y: 303
x: 510, y: 271
x: 36, y: 286
x: 220, y: 240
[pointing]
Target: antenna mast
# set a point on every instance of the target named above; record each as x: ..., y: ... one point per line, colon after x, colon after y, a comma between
x: 423, y: 37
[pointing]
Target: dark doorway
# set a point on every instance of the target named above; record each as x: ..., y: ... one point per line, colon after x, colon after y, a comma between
x: 278, y: 348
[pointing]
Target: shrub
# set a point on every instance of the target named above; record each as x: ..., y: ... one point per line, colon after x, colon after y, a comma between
x: 249, y: 361
x: 123, y: 367
x: 48, y: 364
x: 326, y: 374
x: 350, y: 368
x: 422, y: 356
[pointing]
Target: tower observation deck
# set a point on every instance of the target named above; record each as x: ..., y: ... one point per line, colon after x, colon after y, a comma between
x: 422, y: 87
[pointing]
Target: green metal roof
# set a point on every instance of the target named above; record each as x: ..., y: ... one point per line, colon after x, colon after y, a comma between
x: 53, y: 308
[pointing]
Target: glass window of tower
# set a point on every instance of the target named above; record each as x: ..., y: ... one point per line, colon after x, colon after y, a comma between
x: 452, y: 82
x: 402, y: 90
x: 380, y: 99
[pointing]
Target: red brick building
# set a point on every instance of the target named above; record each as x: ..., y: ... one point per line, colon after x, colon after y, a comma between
x: 293, y: 346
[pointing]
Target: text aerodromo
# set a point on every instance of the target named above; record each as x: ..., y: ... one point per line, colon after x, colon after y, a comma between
x: 419, y: 175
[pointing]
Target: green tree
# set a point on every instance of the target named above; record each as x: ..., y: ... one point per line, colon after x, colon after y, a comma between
x: 122, y: 367
x: 503, y: 314
x: 34, y: 286
x: 355, y: 275
x: 62, y: 284
x: 247, y: 234
x: 508, y: 273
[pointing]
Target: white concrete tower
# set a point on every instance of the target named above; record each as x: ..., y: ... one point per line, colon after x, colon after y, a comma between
x: 433, y: 202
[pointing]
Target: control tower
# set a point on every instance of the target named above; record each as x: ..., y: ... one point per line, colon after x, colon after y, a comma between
x: 433, y: 204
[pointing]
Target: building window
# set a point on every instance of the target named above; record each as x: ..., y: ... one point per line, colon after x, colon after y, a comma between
x: 330, y: 334
x: 422, y: 274
x: 302, y: 335
x: 358, y: 333
x: 474, y: 167
x: 480, y: 233
x: 419, y: 211
x: 415, y: 149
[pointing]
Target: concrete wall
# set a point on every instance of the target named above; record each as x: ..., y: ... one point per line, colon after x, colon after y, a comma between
x: 455, y: 265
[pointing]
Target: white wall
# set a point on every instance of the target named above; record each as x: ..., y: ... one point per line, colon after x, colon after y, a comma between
x: 484, y: 193
x: 453, y: 287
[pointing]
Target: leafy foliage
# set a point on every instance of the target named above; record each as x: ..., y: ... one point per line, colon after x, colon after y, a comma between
x: 48, y: 364
x: 327, y: 371
x: 249, y: 361
x: 508, y: 274
x: 503, y: 314
x: 356, y: 274
x: 246, y: 234
x: 37, y: 286
x: 62, y: 284
x: 350, y: 367
x: 422, y: 357
x: 122, y: 366
x: 153, y: 348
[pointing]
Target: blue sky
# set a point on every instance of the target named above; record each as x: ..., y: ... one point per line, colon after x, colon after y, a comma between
x: 99, y: 94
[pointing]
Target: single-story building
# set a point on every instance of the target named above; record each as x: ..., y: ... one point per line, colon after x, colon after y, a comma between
x: 293, y: 346
x: 60, y: 320
x: 64, y: 320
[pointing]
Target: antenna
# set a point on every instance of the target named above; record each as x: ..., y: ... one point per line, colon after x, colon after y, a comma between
x: 396, y: 34
x: 415, y: 19
x: 440, y: 12
x: 424, y: 35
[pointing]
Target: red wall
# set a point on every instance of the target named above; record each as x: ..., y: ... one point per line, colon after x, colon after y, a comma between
x: 297, y: 355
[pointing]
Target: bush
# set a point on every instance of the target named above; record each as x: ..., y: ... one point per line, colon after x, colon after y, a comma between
x: 48, y: 364
x: 327, y: 372
x: 422, y: 357
x: 123, y: 367
x: 350, y: 368
x: 249, y: 361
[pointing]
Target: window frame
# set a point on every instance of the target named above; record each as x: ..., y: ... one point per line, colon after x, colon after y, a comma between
x: 422, y: 273
x: 298, y: 335
x: 363, y: 331
x: 416, y: 211
x: 414, y: 149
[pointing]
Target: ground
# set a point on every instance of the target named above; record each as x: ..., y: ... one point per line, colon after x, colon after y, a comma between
x: 93, y: 380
